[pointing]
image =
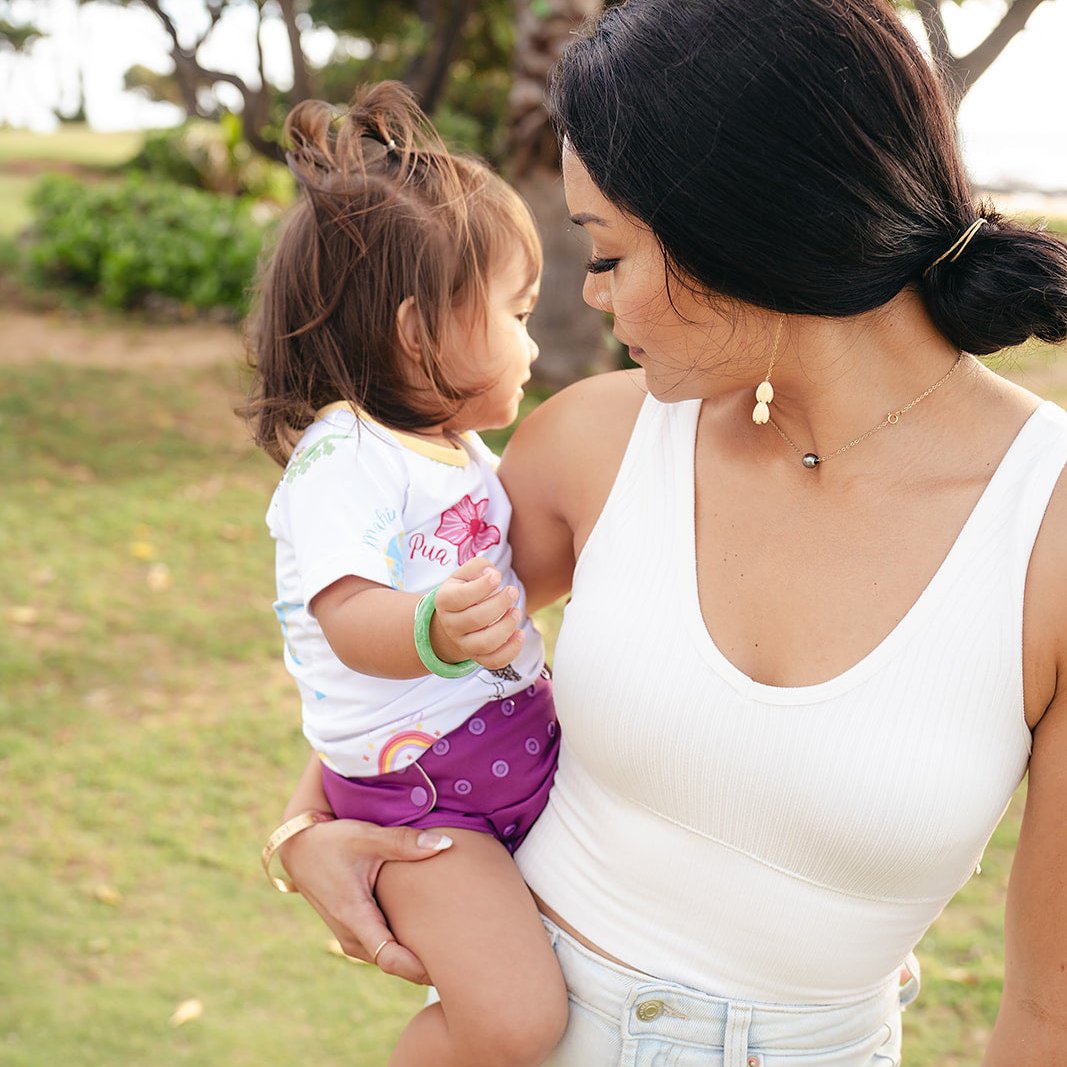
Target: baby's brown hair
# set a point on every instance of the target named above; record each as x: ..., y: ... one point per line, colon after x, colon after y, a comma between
x: 385, y: 212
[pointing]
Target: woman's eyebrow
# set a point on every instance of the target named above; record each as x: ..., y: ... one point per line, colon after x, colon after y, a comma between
x: 583, y: 218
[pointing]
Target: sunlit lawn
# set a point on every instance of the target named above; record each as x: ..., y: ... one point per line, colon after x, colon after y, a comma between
x: 70, y: 143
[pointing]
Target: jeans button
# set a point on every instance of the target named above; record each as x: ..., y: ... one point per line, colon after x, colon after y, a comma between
x: 648, y: 1010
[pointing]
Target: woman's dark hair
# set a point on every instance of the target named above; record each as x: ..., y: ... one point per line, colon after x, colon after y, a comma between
x: 799, y: 155
x: 384, y: 213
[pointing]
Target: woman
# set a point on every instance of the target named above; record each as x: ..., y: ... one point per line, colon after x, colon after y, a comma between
x: 811, y: 648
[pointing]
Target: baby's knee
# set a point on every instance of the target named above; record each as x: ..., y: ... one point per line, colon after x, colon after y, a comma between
x: 522, y: 1036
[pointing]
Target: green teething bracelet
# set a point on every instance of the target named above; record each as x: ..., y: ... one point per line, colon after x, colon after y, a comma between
x: 430, y: 660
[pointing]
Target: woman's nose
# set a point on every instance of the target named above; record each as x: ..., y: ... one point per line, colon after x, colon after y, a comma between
x: 595, y: 293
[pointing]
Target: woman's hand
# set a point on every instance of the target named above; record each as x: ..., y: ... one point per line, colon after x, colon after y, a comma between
x: 335, y: 866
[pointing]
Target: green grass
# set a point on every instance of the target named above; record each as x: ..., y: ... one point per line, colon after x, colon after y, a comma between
x: 70, y: 144
x: 149, y: 736
x: 14, y: 206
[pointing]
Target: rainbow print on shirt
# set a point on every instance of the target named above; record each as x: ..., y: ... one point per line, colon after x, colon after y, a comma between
x: 401, y: 750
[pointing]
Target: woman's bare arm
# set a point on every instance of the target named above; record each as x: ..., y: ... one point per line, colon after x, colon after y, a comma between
x: 1032, y: 1022
x: 558, y: 470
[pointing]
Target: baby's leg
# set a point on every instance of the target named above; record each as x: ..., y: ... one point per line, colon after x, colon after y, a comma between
x: 469, y: 917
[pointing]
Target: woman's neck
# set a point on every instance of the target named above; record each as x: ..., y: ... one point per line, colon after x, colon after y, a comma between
x: 836, y: 379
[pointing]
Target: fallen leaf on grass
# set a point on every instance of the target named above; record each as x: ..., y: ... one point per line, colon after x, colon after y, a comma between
x: 142, y: 550
x: 158, y: 578
x: 186, y: 1012
x: 107, y: 894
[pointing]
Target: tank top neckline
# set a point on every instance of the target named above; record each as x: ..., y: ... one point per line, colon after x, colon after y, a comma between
x: 685, y: 538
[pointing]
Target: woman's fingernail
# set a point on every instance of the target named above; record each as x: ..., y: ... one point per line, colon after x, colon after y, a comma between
x: 513, y: 593
x: 438, y: 842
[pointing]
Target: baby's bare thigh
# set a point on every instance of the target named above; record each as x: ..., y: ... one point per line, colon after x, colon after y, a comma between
x: 468, y: 915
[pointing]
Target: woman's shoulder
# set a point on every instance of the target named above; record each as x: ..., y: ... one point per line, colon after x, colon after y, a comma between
x: 595, y: 413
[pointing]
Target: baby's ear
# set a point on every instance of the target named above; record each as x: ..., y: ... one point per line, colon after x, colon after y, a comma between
x: 409, y: 330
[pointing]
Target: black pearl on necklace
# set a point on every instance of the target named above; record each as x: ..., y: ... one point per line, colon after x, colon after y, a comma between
x: 810, y: 460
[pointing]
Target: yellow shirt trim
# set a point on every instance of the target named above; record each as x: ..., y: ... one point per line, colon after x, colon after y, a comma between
x: 454, y: 457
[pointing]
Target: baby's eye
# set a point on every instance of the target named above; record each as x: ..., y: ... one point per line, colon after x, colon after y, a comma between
x: 599, y: 265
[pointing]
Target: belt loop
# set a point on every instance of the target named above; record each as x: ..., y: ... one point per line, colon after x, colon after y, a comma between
x: 735, y: 1042
x: 909, y: 990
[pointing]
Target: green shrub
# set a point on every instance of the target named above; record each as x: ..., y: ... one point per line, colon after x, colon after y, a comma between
x: 213, y: 156
x: 123, y: 240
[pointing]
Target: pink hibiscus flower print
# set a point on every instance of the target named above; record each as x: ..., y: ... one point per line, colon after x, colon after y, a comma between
x: 464, y: 525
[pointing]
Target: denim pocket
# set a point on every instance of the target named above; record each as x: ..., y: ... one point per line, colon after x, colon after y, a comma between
x: 880, y: 1048
x: 590, y: 1039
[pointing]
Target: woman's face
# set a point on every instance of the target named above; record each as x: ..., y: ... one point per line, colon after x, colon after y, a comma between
x: 677, y: 337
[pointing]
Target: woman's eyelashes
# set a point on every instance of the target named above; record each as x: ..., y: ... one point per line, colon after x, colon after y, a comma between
x: 600, y: 265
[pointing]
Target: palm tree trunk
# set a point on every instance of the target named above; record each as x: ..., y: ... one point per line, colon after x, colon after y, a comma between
x: 574, y: 339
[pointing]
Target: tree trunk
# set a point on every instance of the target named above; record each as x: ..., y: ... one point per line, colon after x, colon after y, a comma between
x: 574, y: 339
x: 428, y: 71
x: 301, y: 78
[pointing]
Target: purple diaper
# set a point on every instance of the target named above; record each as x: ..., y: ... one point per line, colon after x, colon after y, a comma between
x: 492, y: 774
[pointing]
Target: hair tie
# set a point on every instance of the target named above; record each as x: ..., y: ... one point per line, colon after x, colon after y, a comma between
x: 957, y: 249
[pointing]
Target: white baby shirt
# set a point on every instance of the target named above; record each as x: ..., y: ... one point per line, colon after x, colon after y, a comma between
x: 360, y: 499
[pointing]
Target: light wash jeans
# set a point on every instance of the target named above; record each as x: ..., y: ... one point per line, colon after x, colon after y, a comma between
x: 623, y: 1018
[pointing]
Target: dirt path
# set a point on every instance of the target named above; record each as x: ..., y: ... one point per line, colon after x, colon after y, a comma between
x: 95, y: 340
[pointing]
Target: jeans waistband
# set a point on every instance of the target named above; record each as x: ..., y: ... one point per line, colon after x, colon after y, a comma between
x: 641, y: 1004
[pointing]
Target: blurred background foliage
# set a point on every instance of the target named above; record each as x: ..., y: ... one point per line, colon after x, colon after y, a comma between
x: 479, y: 69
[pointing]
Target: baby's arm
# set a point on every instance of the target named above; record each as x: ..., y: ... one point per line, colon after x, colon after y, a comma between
x: 370, y: 627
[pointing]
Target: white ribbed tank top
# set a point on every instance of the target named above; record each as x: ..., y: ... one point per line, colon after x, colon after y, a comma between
x: 766, y: 843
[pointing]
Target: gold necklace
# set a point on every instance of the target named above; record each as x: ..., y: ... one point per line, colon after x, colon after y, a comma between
x: 811, y: 460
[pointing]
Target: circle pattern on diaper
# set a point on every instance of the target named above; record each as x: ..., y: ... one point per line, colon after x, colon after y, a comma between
x: 500, y: 768
x: 463, y: 787
x: 533, y: 746
x: 507, y: 707
x: 442, y: 747
x: 419, y: 796
x: 476, y: 726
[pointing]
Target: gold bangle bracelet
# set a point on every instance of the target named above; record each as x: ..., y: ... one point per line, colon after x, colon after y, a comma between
x: 290, y: 828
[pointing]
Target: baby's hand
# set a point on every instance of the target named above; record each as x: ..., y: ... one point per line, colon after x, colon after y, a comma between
x: 474, y: 618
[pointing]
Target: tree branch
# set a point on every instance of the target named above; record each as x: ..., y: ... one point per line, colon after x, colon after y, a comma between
x: 261, y: 65
x: 936, y: 34
x: 969, y: 68
x: 428, y: 72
